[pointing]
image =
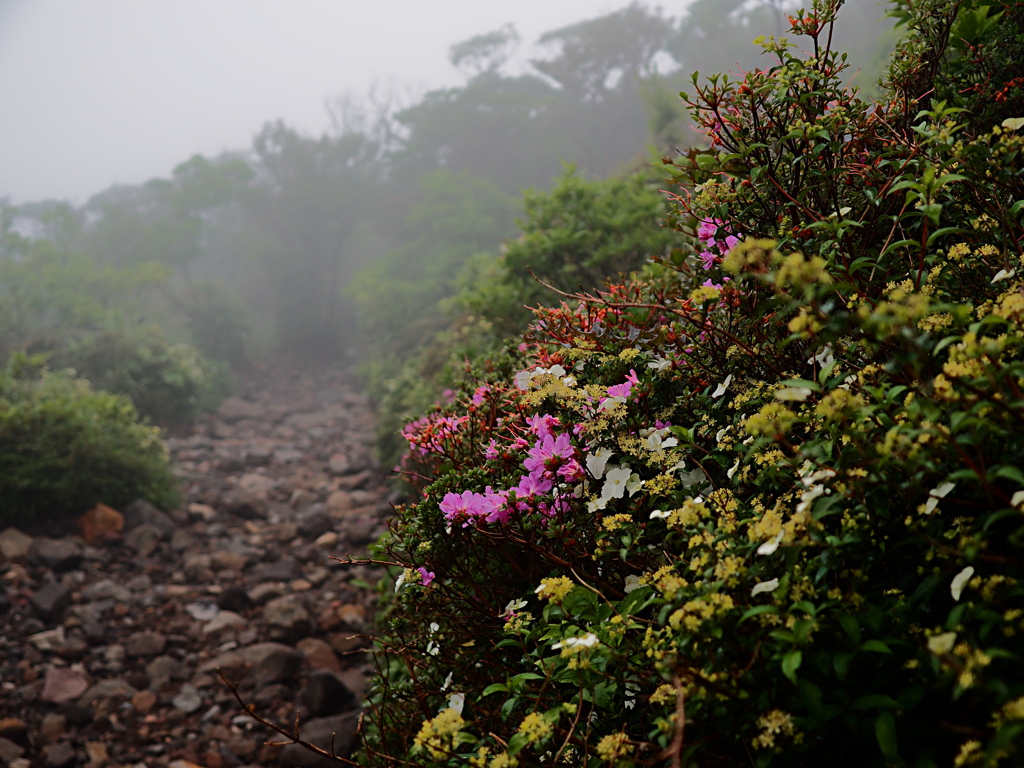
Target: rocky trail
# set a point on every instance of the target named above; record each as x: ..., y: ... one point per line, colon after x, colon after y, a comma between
x: 109, y: 650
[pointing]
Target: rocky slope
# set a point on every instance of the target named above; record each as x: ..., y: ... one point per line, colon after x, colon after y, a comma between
x: 109, y: 653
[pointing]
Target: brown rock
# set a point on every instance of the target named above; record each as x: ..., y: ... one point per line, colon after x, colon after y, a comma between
x: 100, y: 525
x: 63, y: 684
x: 96, y: 751
x: 144, y: 701
x: 339, y: 501
x: 14, y: 545
x: 318, y: 654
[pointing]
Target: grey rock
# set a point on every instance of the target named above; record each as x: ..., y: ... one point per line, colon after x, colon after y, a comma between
x: 114, y: 688
x: 145, y: 643
x: 63, y: 684
x: 288, y: 455
x: 14, y: 545
x: 265, y: 592
x: 223, y: 621
x: 232, y: 598
x: 164, y: 669
x: 144, y: 538
x: 107, y: 589
x: 278, y: 666
x: 60, y: 755
x: 140, y: 511
x: 287, y: 619
x: 325, y: 694
x: 235, y: 409
x: 58, y: 554
x: 188, y: 699
x: 325, y: 732
x: 313, y: 521
x: 50, y: 600
x: 9, y: 751
x: 285, y: 569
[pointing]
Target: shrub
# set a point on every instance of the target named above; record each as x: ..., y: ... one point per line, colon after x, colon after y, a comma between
x: 65, y: 447
x: 170, y: 384
x: 762, y: 505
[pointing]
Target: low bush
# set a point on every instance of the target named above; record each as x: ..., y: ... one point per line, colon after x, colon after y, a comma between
x: 762, y: 504
x: 170, y: 384
x: 65, y: 447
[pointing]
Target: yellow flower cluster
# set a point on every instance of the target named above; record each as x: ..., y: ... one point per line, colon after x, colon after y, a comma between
x: 437, y: 736
x: 696, y: 612
x: 554, y: 589
x: 773, y: 420
x: 773, y: 724
x: 664, y: 694
x: 613, y: 746
x: 615, y: 522
x: 535, y: 728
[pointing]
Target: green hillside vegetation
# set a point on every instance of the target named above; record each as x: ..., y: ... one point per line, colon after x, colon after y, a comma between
x: 760, y: 502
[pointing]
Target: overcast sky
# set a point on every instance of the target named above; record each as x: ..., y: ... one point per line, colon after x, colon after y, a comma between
x: 119, y: 91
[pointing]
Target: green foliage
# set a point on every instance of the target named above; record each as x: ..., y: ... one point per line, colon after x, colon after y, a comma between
x: 169, y: 384
x: 763, y: 504
x: 65, y: 447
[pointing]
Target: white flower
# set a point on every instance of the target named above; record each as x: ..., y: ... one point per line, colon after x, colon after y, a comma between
x: 694, y: 476
x: 821, y: 474
x: 457, y: 701
x: 595, y: 504
x: 732, y: 470
x: 720, y: 434
x: 524, y: 379
x: 400, y: 580
x: 555, y: 370
x: 632, y: 582
x: 808, y: 497
x: 569, y: 381
x: 1017, y: 499
x: 793, y: 393
x: 659, y: 515
x: 938, y: 492
x: 960, y: 581
x: 588, y: 640
x: 447, y: 682
x: 940, y: 644
x: 771, y: 545
x: 634, y: 484
x: 659, y: 364
x: 615, y: 480
x: 513, y: 606
x: 656, y: 441
x: 824, y: 357
x: 597, y: 460
x: 720, y: 390
x: 765, y: 586
x: 433, y: 648
x: 1004, y: 274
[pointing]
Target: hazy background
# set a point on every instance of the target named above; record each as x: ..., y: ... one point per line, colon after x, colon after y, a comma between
x: 119, y: 91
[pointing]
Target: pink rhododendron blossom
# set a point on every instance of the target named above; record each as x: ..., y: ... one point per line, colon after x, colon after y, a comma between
x: 542, y: 425
x: 708, y: 259
x: 707, y: 229
x: 532, y: 485
x: 425, y: 576
x: 480, y: 394
x: 491, y: 451
x: 549, y: 453
x: 572, y: 471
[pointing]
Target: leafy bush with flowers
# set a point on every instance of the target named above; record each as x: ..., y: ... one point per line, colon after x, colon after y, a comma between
x: 762, y: 504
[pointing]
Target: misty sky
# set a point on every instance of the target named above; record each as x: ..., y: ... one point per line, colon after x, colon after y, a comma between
x: 119, y: 91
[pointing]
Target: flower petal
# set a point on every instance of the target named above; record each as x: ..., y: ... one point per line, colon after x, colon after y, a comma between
x: 956, y: 588
x: 765, y: 586
x: 771, y: 545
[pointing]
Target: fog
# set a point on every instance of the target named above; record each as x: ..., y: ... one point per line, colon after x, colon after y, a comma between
x: 119, y: 91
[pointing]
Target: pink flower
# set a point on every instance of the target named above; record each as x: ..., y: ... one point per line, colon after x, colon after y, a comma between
x: 425, y: 576
x: 532, y: 485
x: 707, y: 229
x: 572, y: 471
x: 708, y: 259
x: 480, y: 393
x: 549, y: 453
x: 491, y: 451
x: 542, y: 424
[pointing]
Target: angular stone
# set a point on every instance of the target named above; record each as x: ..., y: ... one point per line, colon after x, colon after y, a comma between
x: 100, y: 525
x: 14, y: 545
x: 287, y: 619
x: 224, y: 621
x: 278, y: 666
x: 322, y: 732
x: 9, y: 751
x: 188, y: 699
x: 223, y: 560
x: 50, y: 600
x: 114, y: 688
x: 107, y: 589
x: 318, y: 654
x: 325, y: 694
x: 265, y: 592
x: 314, y: 521
x: 144, y: 539
x: 235, y: 409
x: 15, y: 729
x: 148, y: 642
x: 96, y: 751
x: 58, y: 554
x: 49, y: 640
x: 59, y: 755
x: 232, y: 598
x: 162, y: 670
x: 285, y: 569
x: 63, y: 684
x: 141, y: 511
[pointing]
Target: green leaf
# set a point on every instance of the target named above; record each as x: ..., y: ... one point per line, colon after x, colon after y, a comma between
x: 791, y: 663
x: 875, y: 701
x: 581, y: 602
x: 635, y: 601
x: 495, y: 688
x: 875, y: 645
x: 850, y: 626
x: 885, y: 732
